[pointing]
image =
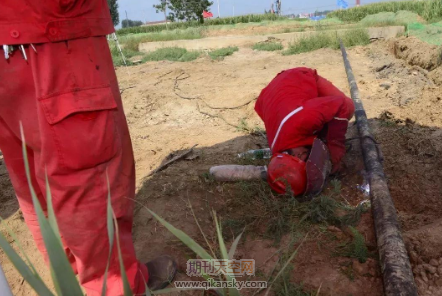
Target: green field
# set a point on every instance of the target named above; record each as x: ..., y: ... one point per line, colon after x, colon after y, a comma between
x: 430, y: 10
x: 251, y: 18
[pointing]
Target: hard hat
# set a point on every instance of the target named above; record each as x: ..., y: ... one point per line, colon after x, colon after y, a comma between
x: 285, y: 169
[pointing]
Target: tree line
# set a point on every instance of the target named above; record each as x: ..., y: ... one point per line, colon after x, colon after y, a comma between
x: 173, y: 10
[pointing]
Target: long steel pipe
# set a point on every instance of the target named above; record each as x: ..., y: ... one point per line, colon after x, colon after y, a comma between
x: 395, y: 264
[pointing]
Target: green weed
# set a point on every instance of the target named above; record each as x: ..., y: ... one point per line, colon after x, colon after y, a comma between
x: 118, y: 59
x: 347, y: 270
x: 355, y: 249
x: 327, y: 39
x: 268, y: 46
x: 234, y: 227
x: 355, y: 37
x: 285, y: 214
x: 63, y: 277
x: 284, y: 287
x: 219, y: 54
x: 175, y: 54
x: 243, y: 126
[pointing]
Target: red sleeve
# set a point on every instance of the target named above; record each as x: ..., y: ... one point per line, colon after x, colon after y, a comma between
x: 333, y: 111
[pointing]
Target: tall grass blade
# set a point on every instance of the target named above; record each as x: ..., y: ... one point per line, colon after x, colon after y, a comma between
x: 225, y: 255
x: 20, y: 247
x: 286, y: 264
x: 51, y: 214
x: 187, y: 240
x: 110, y: 234
x: 146, y: 288
x: 319, y: 290
x: 234, y: 246
x: 126, y: 286
x: 63, y: 276
x: 222, y: 245
x: 31, y: 278
x: 201, y: 230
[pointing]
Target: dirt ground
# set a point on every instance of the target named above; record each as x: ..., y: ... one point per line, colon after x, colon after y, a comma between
x: 172, y: 106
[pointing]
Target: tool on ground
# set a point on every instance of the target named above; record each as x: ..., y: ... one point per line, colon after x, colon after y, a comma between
x: 117, y: 43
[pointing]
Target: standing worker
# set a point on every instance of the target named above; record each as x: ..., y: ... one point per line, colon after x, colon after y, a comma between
x: 297, y: 107
x: 57, y: 78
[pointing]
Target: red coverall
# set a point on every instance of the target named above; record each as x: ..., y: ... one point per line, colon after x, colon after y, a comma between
x: 66, y: 96
x: 297, y: 105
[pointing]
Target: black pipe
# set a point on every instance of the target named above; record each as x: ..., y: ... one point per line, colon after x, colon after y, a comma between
x: 395, y: 264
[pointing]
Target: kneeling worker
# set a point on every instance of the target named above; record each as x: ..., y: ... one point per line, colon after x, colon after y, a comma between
x: 298, y: 107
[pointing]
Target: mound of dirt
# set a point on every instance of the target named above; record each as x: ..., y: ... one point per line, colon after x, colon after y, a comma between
x: 436, y: 76
x: 417, y: 53
x: 425, y: 250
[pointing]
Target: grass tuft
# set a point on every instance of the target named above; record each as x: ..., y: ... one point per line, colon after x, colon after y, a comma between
x: 328, y: 40
x: 284, y: 287
x: 268, y: 46
x: 356, y: 248
x: 243, y: 126
x: 219, y: 54
x: 285, y: 214
x: 116, y: 55
x: 174, y: 54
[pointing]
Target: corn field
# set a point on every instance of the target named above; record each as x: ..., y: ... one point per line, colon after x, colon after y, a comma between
x: 251, y: 18
x: 428, y: 9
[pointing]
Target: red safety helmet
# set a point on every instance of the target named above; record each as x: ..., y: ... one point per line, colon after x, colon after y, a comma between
x: 285, y: 169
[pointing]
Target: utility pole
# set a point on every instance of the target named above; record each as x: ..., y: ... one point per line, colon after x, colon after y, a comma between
x: 165, y: 10
x: 219, y: 16
x: 233, y: 7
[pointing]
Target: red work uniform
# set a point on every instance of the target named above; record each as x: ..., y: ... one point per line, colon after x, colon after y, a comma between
x: 298, y: 105
x: 66, y: 96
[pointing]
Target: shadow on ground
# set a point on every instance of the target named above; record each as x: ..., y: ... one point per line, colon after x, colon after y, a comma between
x: 411, y: 159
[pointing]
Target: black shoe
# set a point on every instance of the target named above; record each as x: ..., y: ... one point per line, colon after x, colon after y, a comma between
x: 161, y: 272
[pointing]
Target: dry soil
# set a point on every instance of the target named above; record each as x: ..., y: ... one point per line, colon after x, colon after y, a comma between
x: 172, y: 106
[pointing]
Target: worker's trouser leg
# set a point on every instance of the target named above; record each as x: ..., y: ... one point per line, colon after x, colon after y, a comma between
x: 67, y: 98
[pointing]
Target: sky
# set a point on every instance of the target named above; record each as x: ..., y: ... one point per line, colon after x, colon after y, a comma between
x: 143, y: 9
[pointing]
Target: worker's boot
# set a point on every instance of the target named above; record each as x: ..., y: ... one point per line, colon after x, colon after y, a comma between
x: 161, y: 271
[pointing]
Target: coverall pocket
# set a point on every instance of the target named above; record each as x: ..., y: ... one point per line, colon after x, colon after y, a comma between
x: 83, y: 124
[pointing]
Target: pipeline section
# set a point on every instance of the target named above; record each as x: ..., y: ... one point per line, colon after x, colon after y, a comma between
x: 395, y: 264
